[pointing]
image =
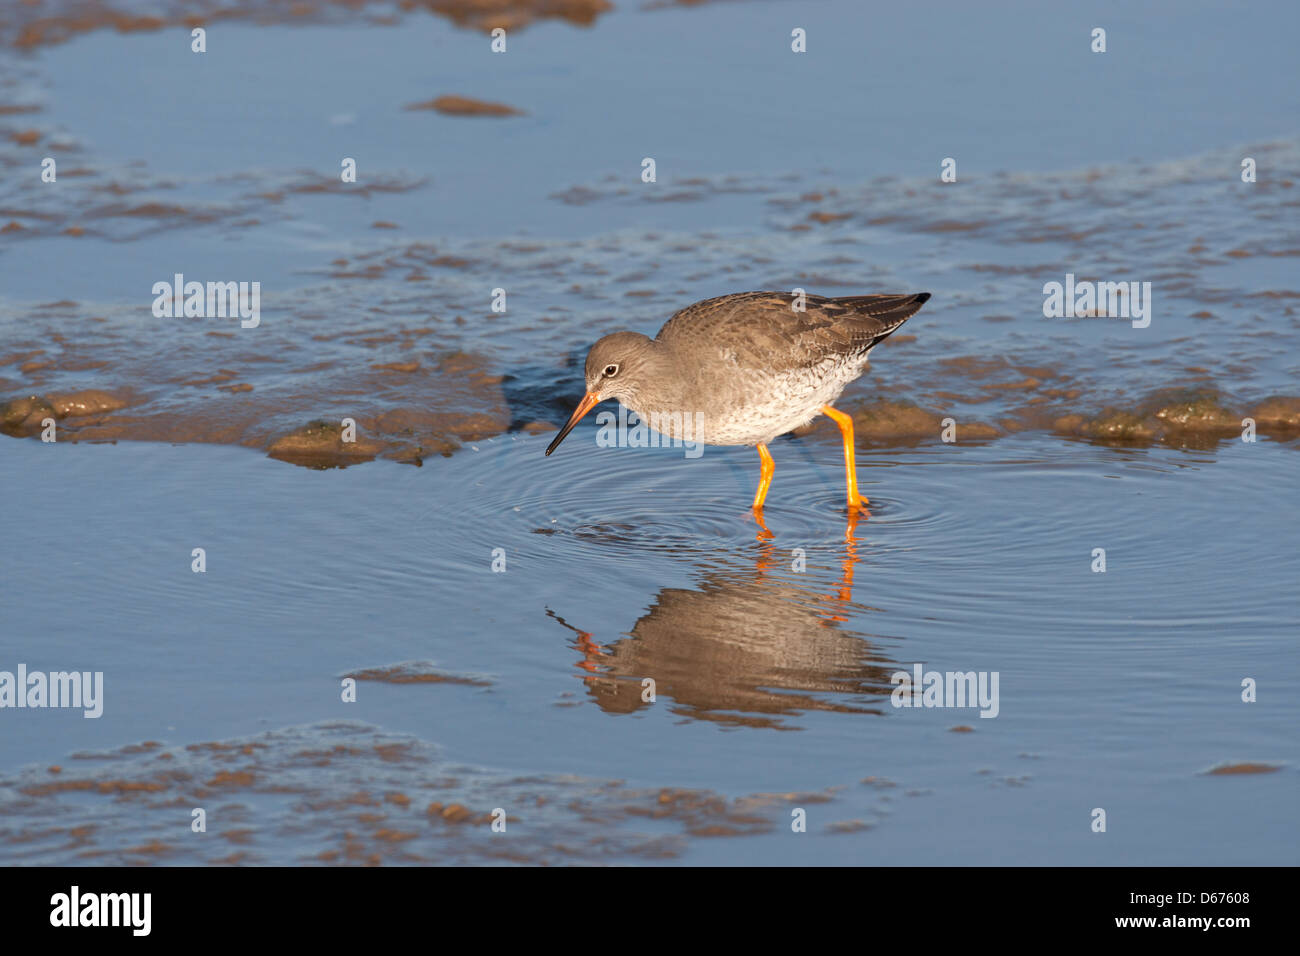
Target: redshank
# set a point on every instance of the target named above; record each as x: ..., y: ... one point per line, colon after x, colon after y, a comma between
x: 744, y: 368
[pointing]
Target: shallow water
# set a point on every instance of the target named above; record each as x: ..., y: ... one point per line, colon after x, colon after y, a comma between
x: 376, y: 296
x: 521, y: 688
x: 1118, y: 690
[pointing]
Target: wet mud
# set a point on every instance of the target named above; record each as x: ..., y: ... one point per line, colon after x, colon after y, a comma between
x: 466, y: 106
x: 37, y: 23
x: 382, y: 337
x: 400, y: 337
x: 354, y: 795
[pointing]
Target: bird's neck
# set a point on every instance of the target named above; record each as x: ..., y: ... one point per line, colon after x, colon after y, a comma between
x: 666, y: 388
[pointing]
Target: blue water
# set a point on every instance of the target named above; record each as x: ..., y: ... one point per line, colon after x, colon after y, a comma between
x: 521, y: 688
x: 1117, y: 690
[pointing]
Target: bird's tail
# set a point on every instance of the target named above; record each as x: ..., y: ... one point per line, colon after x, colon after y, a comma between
x: 883, y: 313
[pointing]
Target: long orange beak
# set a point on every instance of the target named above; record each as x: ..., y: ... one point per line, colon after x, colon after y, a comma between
x: 589, y: 401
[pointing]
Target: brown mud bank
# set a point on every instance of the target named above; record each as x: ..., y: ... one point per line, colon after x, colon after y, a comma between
x: 452, y: 105
x: 36, y: 23
x: 419, y: 410
x: 365, y: 797
x: 406, y: 413
x: 1190, y: 417
x: 1182, y: 416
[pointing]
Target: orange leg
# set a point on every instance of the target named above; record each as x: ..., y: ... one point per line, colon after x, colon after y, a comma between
x: 850, y: 466
x: 764, y: 477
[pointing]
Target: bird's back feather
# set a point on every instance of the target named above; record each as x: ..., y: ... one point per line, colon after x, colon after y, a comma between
x: 763, y: 328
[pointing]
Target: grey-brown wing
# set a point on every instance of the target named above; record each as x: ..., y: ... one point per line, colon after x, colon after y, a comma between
x: 762, y: 328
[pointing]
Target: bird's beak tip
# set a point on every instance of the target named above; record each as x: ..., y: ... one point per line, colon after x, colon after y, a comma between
x: 588, y: 402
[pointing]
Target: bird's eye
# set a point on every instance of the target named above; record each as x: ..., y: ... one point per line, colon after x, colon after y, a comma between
x: 611, y: 371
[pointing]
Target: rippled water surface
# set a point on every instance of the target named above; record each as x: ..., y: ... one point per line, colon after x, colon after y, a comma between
x: 500, y: 611
x: 1118, y: 690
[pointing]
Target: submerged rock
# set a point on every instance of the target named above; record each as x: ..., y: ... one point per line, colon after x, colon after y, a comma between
x: 884, y: 421
x: 23, y: 416
x: 465, y: 106
x: 1278, y: 413
x: 20, y: 415
x: 1110, y: 424
x: 320, y: 444
x: 1197, y: 410
x: 1188, y: 417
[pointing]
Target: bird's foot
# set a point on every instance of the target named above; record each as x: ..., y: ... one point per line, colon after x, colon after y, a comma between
x: 757, y: 515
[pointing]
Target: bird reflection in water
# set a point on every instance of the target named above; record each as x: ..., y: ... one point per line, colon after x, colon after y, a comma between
x: 746, y: 647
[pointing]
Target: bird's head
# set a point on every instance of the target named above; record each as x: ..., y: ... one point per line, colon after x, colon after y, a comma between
x: 617, y: 367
